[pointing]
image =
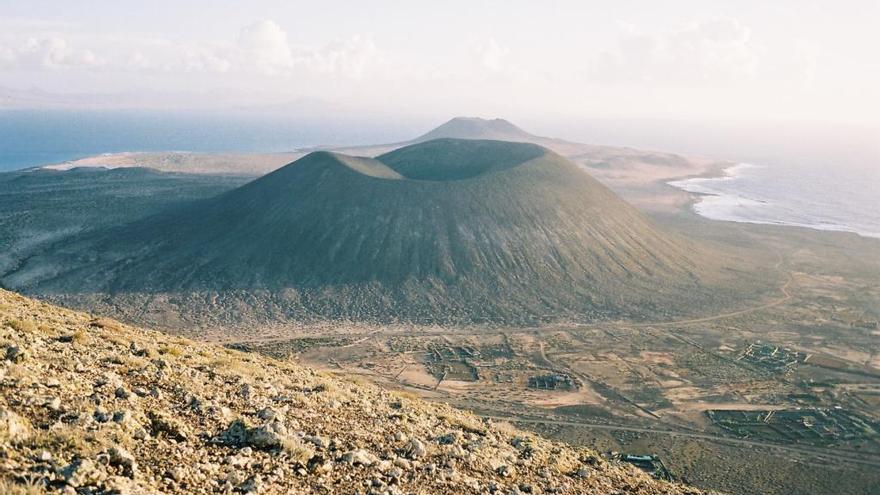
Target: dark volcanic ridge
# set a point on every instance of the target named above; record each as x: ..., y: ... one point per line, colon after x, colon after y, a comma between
x: 445, y: 231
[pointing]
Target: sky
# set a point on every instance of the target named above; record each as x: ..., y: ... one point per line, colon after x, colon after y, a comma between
x: 703, y: 60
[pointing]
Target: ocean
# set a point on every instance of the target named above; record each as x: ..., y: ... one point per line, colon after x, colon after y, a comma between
x: 819, y: 180
x: 30, y: 138
x: 815, y: 197
x: 820, y: 176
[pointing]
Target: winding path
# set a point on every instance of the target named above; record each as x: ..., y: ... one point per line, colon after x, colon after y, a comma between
x: 867, y: 459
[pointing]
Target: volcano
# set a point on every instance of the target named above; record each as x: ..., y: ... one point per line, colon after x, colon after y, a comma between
x: 445, y: 230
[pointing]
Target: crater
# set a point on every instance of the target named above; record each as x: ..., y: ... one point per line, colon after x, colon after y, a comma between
x: 444, y: 160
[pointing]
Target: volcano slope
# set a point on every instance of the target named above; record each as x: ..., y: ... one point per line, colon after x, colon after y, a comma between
x: 446, y: 231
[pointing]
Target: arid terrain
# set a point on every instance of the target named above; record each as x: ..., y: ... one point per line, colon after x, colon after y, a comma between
x: 779, y: 396
x: 775, y: 390
x: 88, y: 405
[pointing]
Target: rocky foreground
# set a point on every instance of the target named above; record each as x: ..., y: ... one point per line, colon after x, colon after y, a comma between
x: 92, y: 406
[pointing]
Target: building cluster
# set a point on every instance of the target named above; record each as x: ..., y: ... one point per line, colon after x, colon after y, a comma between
x: 772, y: 357
x: 648, y: 463
x: 554, y: 381
x: 814, y: 425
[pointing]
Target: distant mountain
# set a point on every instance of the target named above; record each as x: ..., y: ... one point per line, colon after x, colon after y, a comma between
x: 478, y: 128
x: 446, y: 230
x: 614, y: 166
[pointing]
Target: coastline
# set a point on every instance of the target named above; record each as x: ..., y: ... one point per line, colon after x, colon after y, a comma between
x: 732, y: 207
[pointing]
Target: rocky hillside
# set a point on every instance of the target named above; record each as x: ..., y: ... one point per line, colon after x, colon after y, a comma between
x: 93, y: 406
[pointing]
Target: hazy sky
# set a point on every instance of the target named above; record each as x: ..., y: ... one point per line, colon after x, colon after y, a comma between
x: 787, y: 60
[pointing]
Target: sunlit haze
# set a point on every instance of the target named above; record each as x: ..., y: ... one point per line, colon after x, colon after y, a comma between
x: 791, y: 61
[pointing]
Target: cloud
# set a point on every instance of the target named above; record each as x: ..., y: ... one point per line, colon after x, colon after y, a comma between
x: 492, y: 55
x: 265, y: 43
x: 261, y: 49
x: 52, y: 52
x: 708, y: 51
x: 198, y: 58
x: 343, y: 57
x: 265, y: 46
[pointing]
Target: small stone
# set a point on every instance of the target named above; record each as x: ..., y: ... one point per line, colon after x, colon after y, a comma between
x: 318, y: 441
x: 415, y: 449
x: 269, y: 414
x: 250, y: 485
x: 15, y: 354
x: 122, y: 393
x: 449, y: 438
x: 137, y: 349
x: 108, y: 379
x: 83, y: 473
x: 121, y: 416
x: 53, y: 383
x: 359, y: 457
x: 101, y: 415
x: 320, y: 466
x: 53, y: 404
x: 246, y: 391
x: 163, y: 425
x: 140, y: 434
x: 264, y: 437
x: 506, y: 471
x: 177, y: 474
x: 122, y: 458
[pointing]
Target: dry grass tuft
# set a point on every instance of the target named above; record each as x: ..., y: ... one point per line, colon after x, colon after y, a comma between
x: 170, y: 350
x: 404, y: 394
x: 31, y: 487
x: 65, y: 440
x: 106, y: 324
x: 465, y: 421
x: 24, y: 326
x: 116, y: 340
x: 297, y: 450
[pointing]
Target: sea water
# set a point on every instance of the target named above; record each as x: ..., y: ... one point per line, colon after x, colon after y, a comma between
x: 822, y: 198
x: 821, y: 176
x: 31, y: 138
